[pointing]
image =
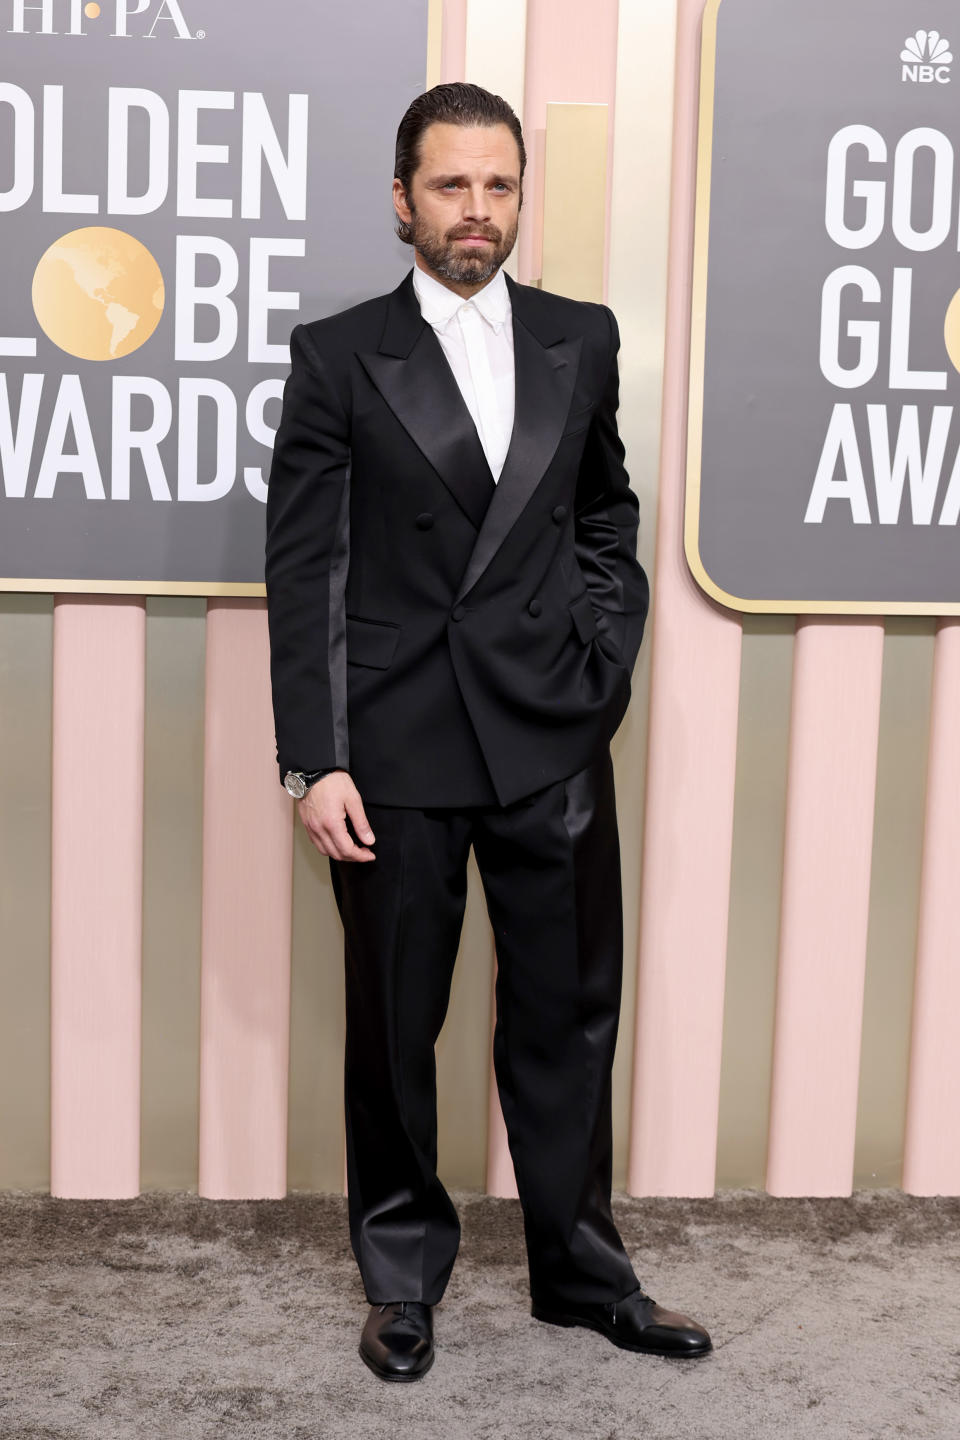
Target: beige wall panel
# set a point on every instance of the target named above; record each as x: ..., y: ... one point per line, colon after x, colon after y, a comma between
x: 495, y: 58
x: 464, y: 1056
x: 574, y: 235
x: 751, y: 975
x: 315, y: 1157
x: 639, y: 237
x: 894, y: 900
x: 637, y: 294
x: 172, y: 860
x: 26, y: 678
x: 496, y: 48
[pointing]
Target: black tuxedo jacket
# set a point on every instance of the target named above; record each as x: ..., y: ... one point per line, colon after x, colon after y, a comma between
x: 447, y: 639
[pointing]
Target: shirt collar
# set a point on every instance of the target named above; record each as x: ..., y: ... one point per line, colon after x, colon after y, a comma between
x: 438, y: 304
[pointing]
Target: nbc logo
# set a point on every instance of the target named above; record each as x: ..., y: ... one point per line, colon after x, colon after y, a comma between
x: 926, y: 58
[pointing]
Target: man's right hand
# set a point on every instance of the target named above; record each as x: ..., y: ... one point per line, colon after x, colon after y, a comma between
x: 323, y: 811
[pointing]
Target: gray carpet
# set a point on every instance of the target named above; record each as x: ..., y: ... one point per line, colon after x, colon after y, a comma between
x: 175, y: 1317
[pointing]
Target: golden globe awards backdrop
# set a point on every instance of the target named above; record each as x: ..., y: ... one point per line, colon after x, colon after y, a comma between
x: 824, y: 437
x: 180, y: 182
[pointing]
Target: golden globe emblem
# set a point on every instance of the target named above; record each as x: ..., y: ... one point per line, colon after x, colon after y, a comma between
x: 98, y: 293
x: 951, y: 330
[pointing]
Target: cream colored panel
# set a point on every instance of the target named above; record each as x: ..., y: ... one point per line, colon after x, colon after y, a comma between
x: 894, y: 901
x: 751, y: 975
x: 495, y: 57
x: 496, y: 41
x: 315, y: 1157
x: 26, y: 648
x: 639, y: 239
x: 172, y: 838
x: 574, y: 200
x: 464, y: 1055
x: 637, y: 292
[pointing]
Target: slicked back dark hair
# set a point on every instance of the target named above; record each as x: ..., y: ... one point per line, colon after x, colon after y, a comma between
x: 455, y: 104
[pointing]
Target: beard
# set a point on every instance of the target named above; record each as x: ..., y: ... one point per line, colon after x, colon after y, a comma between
x: 463, y: 267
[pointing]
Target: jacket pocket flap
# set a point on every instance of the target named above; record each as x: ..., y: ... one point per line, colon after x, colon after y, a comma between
x: 584, y: 620
x: 371, y: 642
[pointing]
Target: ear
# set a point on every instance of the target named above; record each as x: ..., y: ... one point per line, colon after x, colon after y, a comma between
x: 400, y: 202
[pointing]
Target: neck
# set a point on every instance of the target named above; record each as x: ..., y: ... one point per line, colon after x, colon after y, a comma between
x: 461, y: 288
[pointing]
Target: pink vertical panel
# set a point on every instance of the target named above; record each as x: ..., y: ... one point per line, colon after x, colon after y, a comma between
x: 931, y: 1164
x: 247, y: 883
x: 834, y: 728
x: 571, y: 58
x: 97, y: 876
x: 453, y: 41
x: 691, y: 764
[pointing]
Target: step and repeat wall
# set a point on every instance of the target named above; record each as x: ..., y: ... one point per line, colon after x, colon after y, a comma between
x: 184, y: 179
x: 767, y: 195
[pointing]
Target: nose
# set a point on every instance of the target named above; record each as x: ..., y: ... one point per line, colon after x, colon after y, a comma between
x: 476, y: 204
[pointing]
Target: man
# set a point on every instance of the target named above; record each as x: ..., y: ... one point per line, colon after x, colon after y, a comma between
x: 455, y: 608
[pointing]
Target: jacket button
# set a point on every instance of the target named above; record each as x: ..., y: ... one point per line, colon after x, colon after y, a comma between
x: 457, y: 613
x: 559, y: 513
x: 424, y: 521
x: 535, y: 608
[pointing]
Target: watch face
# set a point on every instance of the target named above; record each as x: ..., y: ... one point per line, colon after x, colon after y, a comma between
x: 294, y: 785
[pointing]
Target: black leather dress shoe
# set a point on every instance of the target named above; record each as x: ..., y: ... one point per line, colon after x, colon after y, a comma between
x: 634, y: 1323
x: 397, y: 1340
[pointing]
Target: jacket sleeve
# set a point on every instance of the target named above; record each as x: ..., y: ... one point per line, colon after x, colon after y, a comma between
x: 606, y: 520
x: 306, y: 558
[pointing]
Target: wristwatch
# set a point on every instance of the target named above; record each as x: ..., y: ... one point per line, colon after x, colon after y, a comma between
x: 298, y: 782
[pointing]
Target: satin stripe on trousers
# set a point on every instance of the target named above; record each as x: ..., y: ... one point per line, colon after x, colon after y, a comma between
x: 550, y: 867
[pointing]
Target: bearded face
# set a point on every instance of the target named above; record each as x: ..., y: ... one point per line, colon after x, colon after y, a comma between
x: 469, y: 254
x: 461, y: 211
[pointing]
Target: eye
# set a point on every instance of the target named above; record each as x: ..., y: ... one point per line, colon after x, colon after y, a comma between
x: 450, y: 185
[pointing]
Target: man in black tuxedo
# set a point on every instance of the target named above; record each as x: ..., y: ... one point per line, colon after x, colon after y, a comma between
x: 455, y: 608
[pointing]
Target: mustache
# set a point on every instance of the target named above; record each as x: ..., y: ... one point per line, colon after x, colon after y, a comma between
x: 489, y: 232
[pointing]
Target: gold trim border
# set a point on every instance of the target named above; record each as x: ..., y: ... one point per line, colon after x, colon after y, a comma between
x: 134, y: 587
x: 698, y: 328
x: 255, y: 589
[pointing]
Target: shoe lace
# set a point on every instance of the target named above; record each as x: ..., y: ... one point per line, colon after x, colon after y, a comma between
x: 638, y: 1294
x: 400, y: 1306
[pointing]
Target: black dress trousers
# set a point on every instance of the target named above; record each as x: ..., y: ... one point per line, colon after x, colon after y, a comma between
x: 550, y: 867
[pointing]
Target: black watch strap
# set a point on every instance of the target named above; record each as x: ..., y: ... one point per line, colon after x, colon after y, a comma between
x: 310, y: 777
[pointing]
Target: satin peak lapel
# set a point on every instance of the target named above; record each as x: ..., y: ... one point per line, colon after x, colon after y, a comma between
x: 545, y: 379
x: 411, y: 372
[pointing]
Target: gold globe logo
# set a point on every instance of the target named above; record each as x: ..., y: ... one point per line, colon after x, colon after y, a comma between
x: 952, y: 330
x: 98, y: 293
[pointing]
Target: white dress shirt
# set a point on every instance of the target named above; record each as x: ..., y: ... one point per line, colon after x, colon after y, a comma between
x: 476, y: 336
